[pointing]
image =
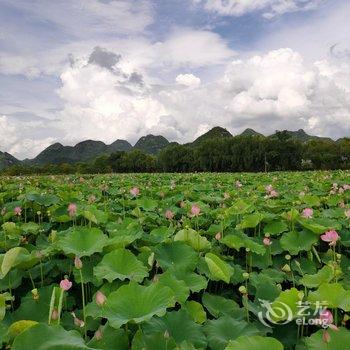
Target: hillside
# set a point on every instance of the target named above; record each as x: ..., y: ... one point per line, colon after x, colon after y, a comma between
x: 216, y: 132
x: 250, y: 132
x: 301, y: 135
x: 83, y: 151
x: 7, y: 160
x: 151, y: 144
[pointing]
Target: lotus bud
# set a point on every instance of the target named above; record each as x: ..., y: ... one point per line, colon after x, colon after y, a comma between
x: 78, y: 263
x: 98, y: 334
x: 100, y: 298
x: 326, y: 336
x: 54, y: 314
x: 218, y: 236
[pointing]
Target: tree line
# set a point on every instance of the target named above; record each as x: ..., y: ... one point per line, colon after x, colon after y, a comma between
x: 236, y: 154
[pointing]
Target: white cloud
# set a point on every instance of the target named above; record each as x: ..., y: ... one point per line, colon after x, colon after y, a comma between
x: 107, y: 100
x: 188, y: 80
x: 270, y: 8
x: 13, y: 138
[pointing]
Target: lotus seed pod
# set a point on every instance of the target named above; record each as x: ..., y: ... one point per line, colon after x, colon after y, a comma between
x: 286, y: 268
x: 245, y: 275
x: 242, y: 290
x: 288, y: 257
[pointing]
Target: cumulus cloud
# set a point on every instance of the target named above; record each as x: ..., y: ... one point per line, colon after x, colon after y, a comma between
x: 18, y: 141
x: 105, y: 98
x: 188, y: 80
x: 269, y: 8
x: 268, y: 92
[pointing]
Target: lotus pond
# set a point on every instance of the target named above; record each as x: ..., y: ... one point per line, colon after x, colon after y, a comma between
x: 176, y: 261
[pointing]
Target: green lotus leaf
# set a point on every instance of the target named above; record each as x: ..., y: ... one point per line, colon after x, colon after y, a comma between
x: 332, y: 293
x: 95, y: 215
x: 136, y: 303
x: 218, y: 305
x: 220, y: 331
x: 239, y: 240
x: 154, y: 341
x: 45, y: 337
x: 120, y: 264
x: 111, y: 339
x: 147, y: 204
x: 251, y: 220
x: 294, y: 241
x: 14, y: 257
x: 180, y: 326
x: 43, y: 199
x: 193, y: 238
x: 265, y: 287
x: 285, y: 306
x: 324, y: 275
x: 254, y: 343
x: 275, y: 227
x: 123, y: 234
x: 312, y: 225
x: 35, y: 310
x: 194, y: 282
x: 219, y: 269
x: 18, y: 327
x: 240, y: 207
x: 179, y: 288
x: 196, y: 311
x: 82, y: 241
x: 310, y: 200
x: 30, y: 227
x: 338, y: 340
x: 176, y: 254
x: 11, y: 229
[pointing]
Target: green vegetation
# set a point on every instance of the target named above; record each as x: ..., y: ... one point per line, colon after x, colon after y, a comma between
x: 253, y: 153
x: 175, y: 261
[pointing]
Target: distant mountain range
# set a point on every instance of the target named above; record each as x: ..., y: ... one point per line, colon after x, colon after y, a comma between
x: 151, y: 144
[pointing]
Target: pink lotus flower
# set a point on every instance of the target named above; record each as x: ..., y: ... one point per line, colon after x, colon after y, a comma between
x: 3, y: 211
x: 307, y: 213
x: 331, y: 237
x: 346, y: 187
x: 326, y: 319
x: 273, y: 194
x: 135, y: 191
x: 226, y: 195
x: 267, y: 241
x: 100, y: 298
x: 72, y: 209
x: 17, y: 211
x: 169, y: 214
x: 347, y: 213
x: 238, y: 184
x: 268, y: 188
x: 218, y: 236
x: 66, y: 284
x: 78, y: 263
x: 195, y: 210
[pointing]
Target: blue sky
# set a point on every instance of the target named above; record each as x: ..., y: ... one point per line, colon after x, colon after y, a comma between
x: 72, y: 70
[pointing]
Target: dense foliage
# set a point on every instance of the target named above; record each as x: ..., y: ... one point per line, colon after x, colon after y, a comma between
x: 175, y: 261
x: 253, y: 153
